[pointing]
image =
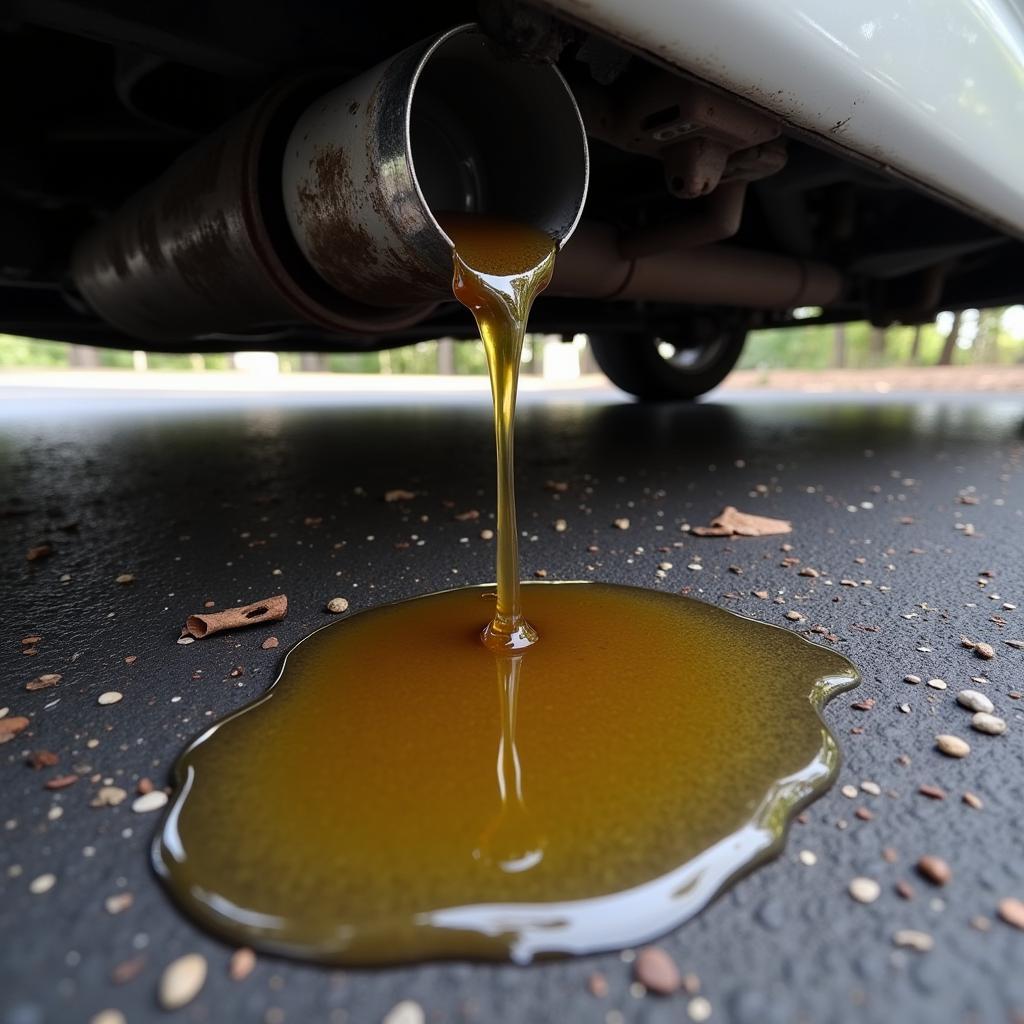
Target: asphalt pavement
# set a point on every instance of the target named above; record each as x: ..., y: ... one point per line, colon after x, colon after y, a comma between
x: 908, y: 506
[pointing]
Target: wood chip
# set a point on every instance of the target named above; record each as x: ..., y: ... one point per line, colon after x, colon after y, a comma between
x: 656, y: 971
x: 932, y: 792
x: 270, y: 643
x: 42, y: 759
x: 61, y: 781
x: 952, y: 746
x: 44, y: 682
x: 241, y: 964
x: 272, y: 609
x: 934, y: 869
x: 731, y: 522
x: 1011, y: 910
x: 182, y: 981
x: 11, y: 726
x: 337, y: 605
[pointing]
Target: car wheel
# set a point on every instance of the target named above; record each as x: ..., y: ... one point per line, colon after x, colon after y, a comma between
x: 664, y: 368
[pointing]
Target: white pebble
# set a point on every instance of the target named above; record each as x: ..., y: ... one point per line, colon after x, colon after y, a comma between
x: 698, y: 1009
x: 865, y: 890
x: 151, y: 801
x: 41, y: 884
x: 808, y: 857
x: 993, y: 725
x: 110, y: 697
x: 405, y: 1012
x: 871, y: 787
x: 108, y: 1017
x: 913, y: 680
x: 974, y: 700
x: 937, y: 684
x: 181, y: 981
x: 910, y: 939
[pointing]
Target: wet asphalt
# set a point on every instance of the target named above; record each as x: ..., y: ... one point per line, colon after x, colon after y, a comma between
x: 916, y: 499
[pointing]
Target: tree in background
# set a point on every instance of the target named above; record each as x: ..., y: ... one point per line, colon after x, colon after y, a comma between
x: 949, y: 345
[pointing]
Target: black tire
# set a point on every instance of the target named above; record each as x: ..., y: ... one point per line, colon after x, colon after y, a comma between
x: 638, y: 363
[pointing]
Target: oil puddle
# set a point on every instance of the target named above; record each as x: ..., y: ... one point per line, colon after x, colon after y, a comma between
x: 402, y: 792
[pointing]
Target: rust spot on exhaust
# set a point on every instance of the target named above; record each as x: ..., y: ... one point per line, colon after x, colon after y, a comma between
x: 337, y: 241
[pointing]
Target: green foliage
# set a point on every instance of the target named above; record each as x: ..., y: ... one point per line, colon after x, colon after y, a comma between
x: 15, y: 351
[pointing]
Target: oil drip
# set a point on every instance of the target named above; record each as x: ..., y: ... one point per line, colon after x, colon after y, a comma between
x: 587, y: 777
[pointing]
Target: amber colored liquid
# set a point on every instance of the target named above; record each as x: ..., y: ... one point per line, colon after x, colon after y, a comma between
x: 587, y: 777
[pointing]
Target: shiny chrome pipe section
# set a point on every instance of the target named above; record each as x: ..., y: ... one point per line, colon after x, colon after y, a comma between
x: 320, y: 204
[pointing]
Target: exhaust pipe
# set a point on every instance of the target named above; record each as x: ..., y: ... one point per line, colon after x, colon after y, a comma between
x: 321, y: 204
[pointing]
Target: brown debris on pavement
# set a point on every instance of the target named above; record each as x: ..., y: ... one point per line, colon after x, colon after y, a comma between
x: 271, y: 609
x: 731, y: 522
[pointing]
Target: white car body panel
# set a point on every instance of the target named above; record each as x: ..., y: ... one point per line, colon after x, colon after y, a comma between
x: 931, y: 89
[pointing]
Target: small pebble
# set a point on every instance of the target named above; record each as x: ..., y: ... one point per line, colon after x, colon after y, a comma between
x: 973, y: 800
x: 871, y: 787
x: 974, y: 700
x: 270, y: 643
x: 242, y: 963
x: 108, y: 796
x: 865, y: 890
x: 598, y: 985
x: 118, y: 902
x: 108, y: 1017
x: 487, y: 535
x: 42, y: 883
x: 110, y: 697
x: 152, y: 801
x: 986, y: 651
x: 621, y: 523
x: 794, y: 616
x: 336, y: 606
x: 992, y: 725
x: 850, y: 792
x: 912, y: 679
x: 1011, y: 910
x: 936, y: 684
x: 908, y: 938
x: 698, y: 1009
x: 656, y: 970
x: 934, y: 869
x: 125, y: 578
x: 181, y: 981
x: 808, y: 857
x: 952, y: 746
x: 405, y: 1012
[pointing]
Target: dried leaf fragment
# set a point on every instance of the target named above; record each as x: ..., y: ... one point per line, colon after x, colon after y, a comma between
x: 398, y: 494
x: 731, y: 522
x: 271, y: 609
x: 43, y: 682
x: 10, y: 727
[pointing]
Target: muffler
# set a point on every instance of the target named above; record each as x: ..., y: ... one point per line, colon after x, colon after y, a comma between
x: 320, y: 204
